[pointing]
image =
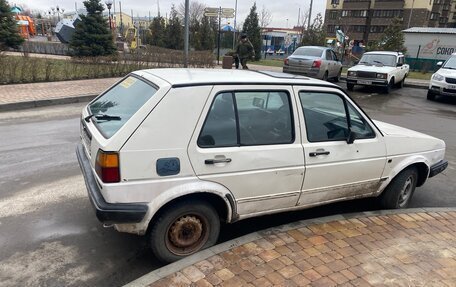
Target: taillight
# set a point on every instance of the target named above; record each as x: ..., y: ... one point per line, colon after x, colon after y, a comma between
x: 316, y: 63
x: 285, y: 61
x: 107, y: 166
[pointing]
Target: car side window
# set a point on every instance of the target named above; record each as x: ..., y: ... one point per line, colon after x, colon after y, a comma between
x: 248, y: 118
x: 359, y: 125
x: 334, y: 56
x: 264, y: 118
x: 325, y: 116
x: 329, y: 55
x: 219, y: 129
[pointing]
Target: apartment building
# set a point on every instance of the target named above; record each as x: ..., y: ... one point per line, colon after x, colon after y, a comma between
x: 366, y: 20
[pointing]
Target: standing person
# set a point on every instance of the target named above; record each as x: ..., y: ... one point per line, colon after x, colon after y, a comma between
x: 245, y: 51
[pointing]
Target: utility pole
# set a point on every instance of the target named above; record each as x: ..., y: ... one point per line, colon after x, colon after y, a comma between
x: 310, y: 14
x: 411, y: 12
x: 218, y: 39
x: 186, y: 34
x: 234, y: 31
x: 121, y: 23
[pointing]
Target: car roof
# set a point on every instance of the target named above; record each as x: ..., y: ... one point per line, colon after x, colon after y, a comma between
x: 385, y: 53
x: 178, y: 77
x: 315, y: 47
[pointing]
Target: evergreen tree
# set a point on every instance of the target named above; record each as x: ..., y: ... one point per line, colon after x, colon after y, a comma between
x: 207, y: 35
x: 174, y: 32
x: 252, y: 29
x: 392, y: 38
x: 157, y: 29
x: 92, y: 36
x: 9, y: 34
x: 195, y: 34
x: 315, y: 34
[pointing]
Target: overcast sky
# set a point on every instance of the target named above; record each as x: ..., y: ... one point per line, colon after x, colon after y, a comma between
x: 281, y: 10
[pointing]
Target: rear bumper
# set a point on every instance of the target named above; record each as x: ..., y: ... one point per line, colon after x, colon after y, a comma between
x: 111, y: 213
x: 314, y: 73
x: 438, y: 168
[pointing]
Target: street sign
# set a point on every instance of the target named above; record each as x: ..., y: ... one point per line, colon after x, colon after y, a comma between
x: 209, y: 14
x: 227, y: 11
x: 227, y: 15
x: 211, y: 10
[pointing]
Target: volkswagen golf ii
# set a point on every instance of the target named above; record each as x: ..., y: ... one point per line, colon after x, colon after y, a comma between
x: 172, y: 153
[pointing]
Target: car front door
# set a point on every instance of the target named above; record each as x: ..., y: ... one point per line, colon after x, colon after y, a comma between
x: 248, y: 140
x: 335, y: 168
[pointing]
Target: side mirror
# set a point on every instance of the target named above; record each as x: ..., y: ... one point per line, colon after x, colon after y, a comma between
x: 399, y: 64
x: 439, y: 64
x: 351, y: 137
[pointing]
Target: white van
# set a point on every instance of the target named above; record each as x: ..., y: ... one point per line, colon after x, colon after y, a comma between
x: 171, y: 153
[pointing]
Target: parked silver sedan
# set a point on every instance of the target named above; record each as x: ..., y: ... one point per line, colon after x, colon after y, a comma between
x: 314, y: 61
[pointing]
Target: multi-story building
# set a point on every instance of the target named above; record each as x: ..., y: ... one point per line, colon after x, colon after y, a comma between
x: 366, y: 20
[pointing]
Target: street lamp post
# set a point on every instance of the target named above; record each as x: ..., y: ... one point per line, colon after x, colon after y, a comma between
x: 56, y: 10
x: 109, y: 5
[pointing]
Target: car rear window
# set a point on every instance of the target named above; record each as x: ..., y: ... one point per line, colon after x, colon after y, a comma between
x: 115, y: 107
x: 314, y: 52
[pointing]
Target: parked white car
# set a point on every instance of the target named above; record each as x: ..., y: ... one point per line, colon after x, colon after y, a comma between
x: 172, y: 153
x: 443, y: 82
x: 381, y: 68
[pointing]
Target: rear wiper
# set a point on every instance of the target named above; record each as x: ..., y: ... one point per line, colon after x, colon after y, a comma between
x: 102, y: 117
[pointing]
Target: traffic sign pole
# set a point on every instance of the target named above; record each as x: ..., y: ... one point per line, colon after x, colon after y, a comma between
x: 219, y: 28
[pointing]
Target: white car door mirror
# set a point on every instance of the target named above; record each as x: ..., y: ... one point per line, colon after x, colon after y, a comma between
x: 439, y: 64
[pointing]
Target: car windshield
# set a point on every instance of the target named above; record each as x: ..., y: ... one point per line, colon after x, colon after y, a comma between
x: 115, y: 107
x: 313, y: 52
x: 450, y: 64
x: 378, y: 60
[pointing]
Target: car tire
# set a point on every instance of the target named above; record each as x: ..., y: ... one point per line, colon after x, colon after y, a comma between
x: 401, y: 84
x: 430, y: 96
x: 170, y: 235
x: 337, y: 78
x: 389, y: 87
x: 400, y: 190
x: 325, y: 76
x: 350, y: 87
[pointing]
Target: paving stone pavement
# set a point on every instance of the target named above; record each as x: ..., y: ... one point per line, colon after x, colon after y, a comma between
x: 397, y: 249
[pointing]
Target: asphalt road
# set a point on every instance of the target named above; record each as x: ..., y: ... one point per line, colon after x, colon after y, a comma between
x: 49, y: 235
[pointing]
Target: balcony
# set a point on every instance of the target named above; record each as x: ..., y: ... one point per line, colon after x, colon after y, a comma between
x: 389, y: 4
x: 356, y: 4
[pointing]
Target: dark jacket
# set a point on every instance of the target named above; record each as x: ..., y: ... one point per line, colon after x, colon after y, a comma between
x: 245, y: 49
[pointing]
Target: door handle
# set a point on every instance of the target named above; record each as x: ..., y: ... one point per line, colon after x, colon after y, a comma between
x: 214, y: 161
x: 317, y: 153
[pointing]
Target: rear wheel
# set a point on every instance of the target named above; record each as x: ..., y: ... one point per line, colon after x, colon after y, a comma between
x: 325, y: 76
x: 183, y: 229
x: 337, y: 78
x: 350, y: 87
x: 400, y: 190
x: 430, y: 96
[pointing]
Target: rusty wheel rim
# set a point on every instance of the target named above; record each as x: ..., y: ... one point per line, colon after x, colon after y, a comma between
x: 187, y: 234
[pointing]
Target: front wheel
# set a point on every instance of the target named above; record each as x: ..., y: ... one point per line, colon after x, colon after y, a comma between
x: 337, y: 78
x: 400, y: 190
x: 430, y: 96
x: 389, y: 86
x: 183, y: 229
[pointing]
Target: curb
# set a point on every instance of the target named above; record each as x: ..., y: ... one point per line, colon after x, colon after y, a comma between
x: 406, y: 84
x: 46, y: 102
x: 169, y: 269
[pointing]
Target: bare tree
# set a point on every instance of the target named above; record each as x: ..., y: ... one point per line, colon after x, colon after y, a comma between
x: 265, y: 17
x: 196, y: 10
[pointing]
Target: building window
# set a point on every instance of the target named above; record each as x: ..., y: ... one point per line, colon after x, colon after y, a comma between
x: 333, y: 14
x: 388, y: 13
x: 334, y: 2
x: 377, y: 29
x: 354, y: 13
x: 442, y: 20
x: 331, y: 29
x: 434, y: 16
x: 359, y: 28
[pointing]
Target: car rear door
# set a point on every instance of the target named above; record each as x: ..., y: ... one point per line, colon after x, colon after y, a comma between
x: 336, y: 169
x: 248, y: 140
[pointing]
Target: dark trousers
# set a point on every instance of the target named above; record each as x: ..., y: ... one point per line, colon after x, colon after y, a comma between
x: 244, y: 63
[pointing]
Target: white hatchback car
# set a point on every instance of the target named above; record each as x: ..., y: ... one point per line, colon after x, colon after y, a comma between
x: 443, y: 82
x: 172, y: 153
